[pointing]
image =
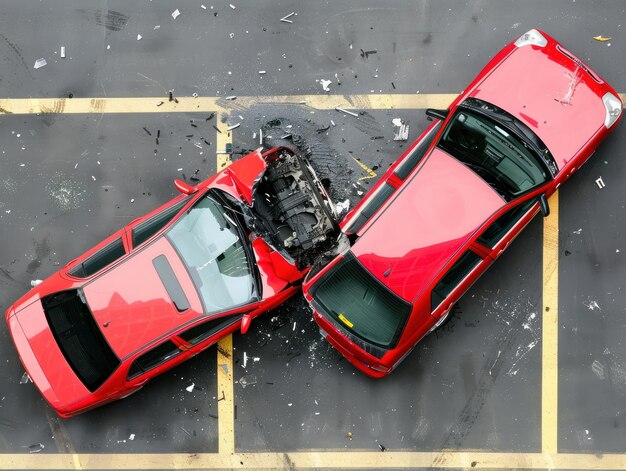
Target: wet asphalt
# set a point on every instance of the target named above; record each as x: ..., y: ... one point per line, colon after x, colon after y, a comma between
x: 67, y: 181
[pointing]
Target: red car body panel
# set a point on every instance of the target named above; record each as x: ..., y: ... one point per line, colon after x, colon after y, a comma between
x: 450, y: 188
x: 550, y: 93
x: 547, y: 88
x: 135, y: 313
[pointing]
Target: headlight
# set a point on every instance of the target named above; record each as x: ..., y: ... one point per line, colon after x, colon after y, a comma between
x: 613, y: 107
x: 532, y: 37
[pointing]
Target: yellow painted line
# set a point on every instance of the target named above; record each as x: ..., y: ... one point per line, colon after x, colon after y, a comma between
x: 206, y: 104
x: 550, y: 330
x: 320, y: 460
x: 369, y: 171
x: 225, y: 390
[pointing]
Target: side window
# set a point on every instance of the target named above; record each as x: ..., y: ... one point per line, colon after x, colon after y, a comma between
x: 148, y: 228
x: 453, y: 278
x: 494, y: 233
x: 153, y: 358
x: 201, y: 332
x: 99, y: 260
x: 411, y: 161
x: 379, y: 198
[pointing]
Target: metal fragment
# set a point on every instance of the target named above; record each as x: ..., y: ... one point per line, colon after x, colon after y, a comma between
x: 346, y: 112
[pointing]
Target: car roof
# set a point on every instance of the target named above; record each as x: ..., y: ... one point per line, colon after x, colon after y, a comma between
x: 427, y: 221
x: 132, y: 306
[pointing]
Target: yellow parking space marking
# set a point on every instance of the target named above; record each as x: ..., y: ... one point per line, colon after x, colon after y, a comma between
x: 550, y: 329
x: 369, y: 171
x: 225, y: 390
x: 204, y: 104
x: 321, y: 460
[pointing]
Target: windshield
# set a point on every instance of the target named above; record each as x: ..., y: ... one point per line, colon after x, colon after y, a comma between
x: 354, y: 298
x: 209, y: 243
x: 494, y: 153
x: 79, y: 338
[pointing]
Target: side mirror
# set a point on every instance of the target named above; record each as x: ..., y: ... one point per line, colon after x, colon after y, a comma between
x: 543, y: 204
x: 184, y: 188
x: 246, y: 320
x: 439, y: 114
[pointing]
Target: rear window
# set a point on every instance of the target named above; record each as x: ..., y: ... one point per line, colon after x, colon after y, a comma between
x: 361, y: 304
x: 102, y: 258
x: 79, y: 338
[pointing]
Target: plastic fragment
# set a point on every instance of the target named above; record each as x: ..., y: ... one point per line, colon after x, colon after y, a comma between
x: 402, y: 133
x: 325, y: 84
x: 245, y: 360
x: 190, y: 387
x: 132, y: 436
x: 25, y: 378
x: 600, y: 183
x: 232, y: 6
x: 36, y: 448
x: 601, y: 38
x: 175, y: 13
x: 203, y: 7
x: 234, y: 126
x: 139, y: 36
x: 232, y: 97
x: 39, y: 63
x: 342, y: 206
x: 247, y: 380
x: 157, y: 27
x: 63, y: 52
x: 34, y: 283
x: 262, y: 72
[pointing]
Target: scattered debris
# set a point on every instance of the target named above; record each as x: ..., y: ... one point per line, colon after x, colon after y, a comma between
x: 34, y: 283
x: 203, y: 7
x: 190, y: 387
x: 245, y: 360
x: 139, y: 36
x: 159, y: 103
x: 25, y: 378
x: 234, y: 126
x: 232, y: 6
x: 232, y: 97
x: 194, y: 94
x: 247, y: 380
x: 224, y: 367
x: 578, y: 231
x: 325, y: 84
x: 333, y: 123
x: 39, y: 63
x: 210, y: 117
x: 132, y: 436
x: 175, y: 13
x: 260, y: 137
x: 366, y: 54
x: 349, y: 435
x: 342, y: 207
x: 285, y: 19
x: 63, y: 52
x: 402, y: 133
x: 601, y: 38
x: 36, y: 448
x: 157, y: 27
x: 600, y: 183
x: 592, y: 305
x: 262, y: 72
x: 382, y: 447
x: 148, y: 132
x: 346, y: 112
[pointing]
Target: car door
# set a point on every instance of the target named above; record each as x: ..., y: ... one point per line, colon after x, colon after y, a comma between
x: 455, y: 281
x: 498, y: 235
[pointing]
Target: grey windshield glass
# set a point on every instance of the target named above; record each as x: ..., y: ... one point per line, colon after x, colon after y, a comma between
x: 209, y: 244
x: 495, y: 154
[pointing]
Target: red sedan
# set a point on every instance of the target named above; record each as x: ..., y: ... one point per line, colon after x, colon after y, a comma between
x: 173, y: 282
x: 456, y: 199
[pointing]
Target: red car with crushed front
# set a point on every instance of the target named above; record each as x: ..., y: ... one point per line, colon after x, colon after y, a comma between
x: 444, y: 212
x: 172, y: 283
